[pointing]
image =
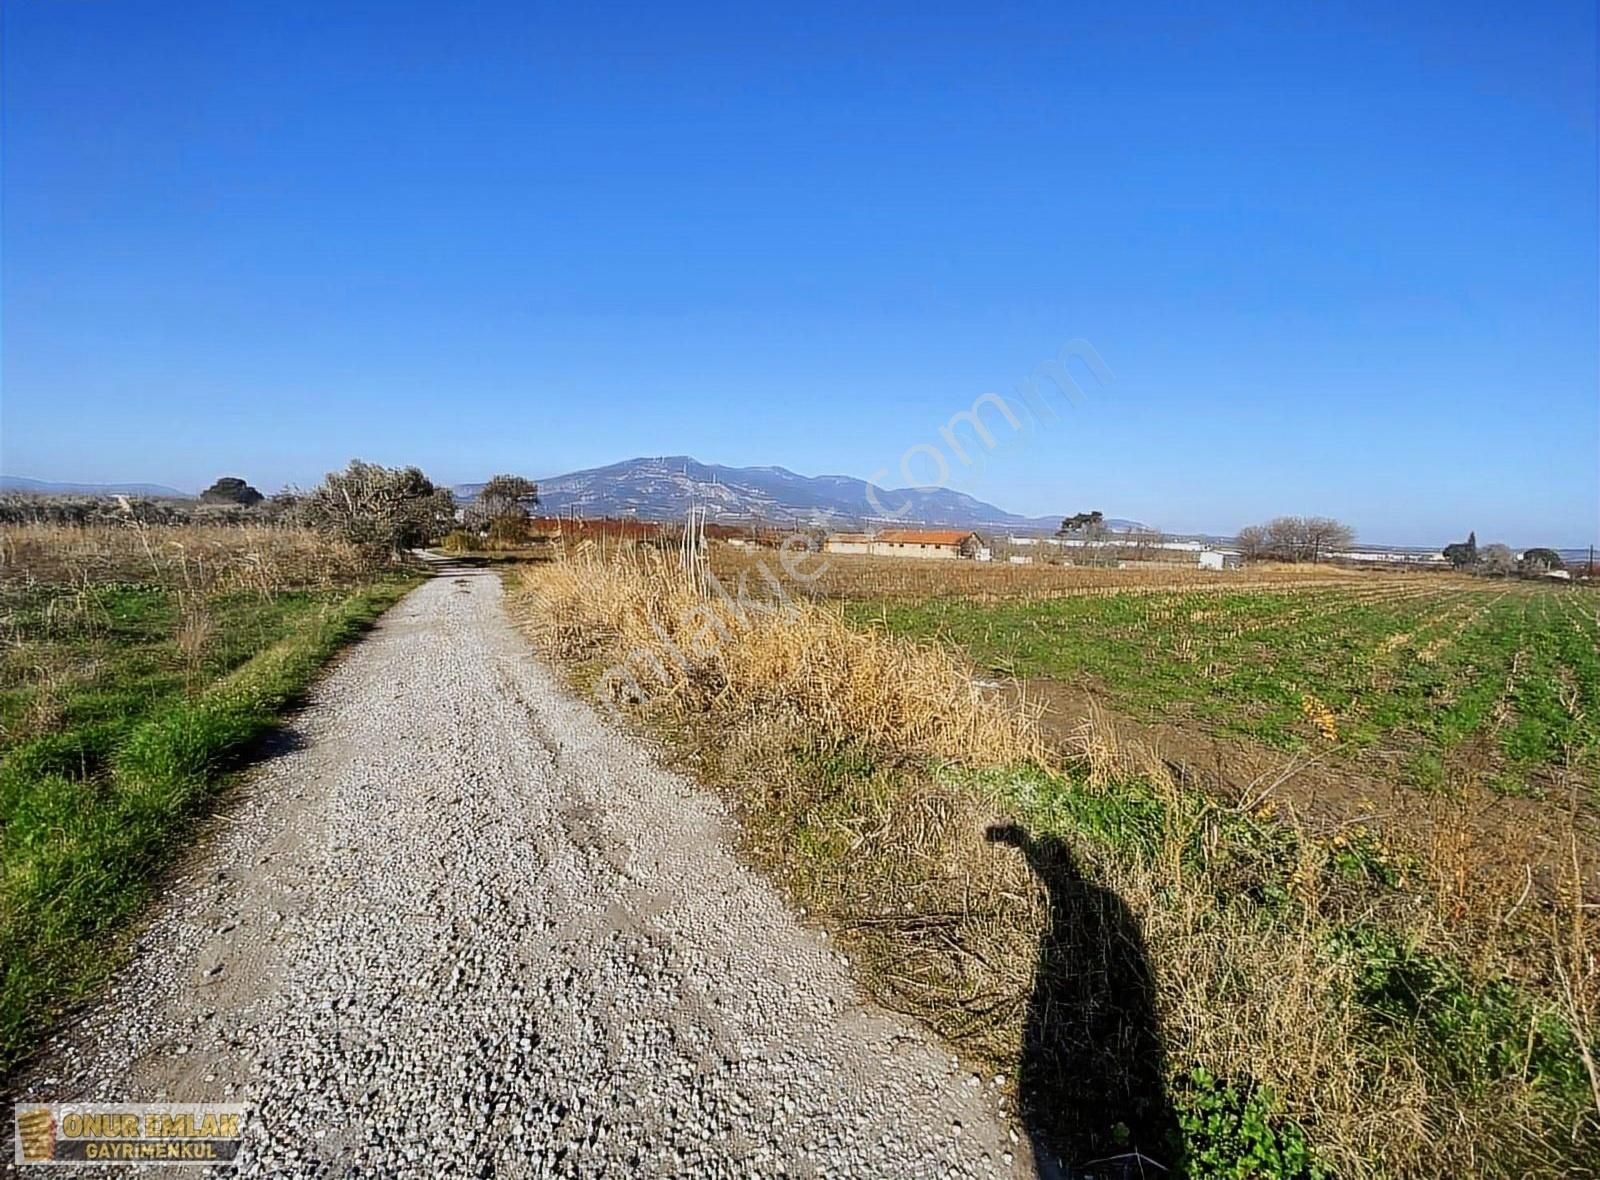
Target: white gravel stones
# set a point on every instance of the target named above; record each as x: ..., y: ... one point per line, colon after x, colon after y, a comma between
x: 461, y: 927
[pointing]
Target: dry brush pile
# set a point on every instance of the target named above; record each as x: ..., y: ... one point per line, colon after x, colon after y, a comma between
x: 867, y: 771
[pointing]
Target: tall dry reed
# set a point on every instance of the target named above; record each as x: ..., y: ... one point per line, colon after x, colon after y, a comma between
x: 669, y: 644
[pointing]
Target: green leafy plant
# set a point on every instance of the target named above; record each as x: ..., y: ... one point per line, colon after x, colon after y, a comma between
x: 1476, y: 1033
x: 1359, y: 855
x: 1238, y: 1132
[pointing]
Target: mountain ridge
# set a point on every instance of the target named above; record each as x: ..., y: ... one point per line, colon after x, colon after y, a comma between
x: 46, y: 487
x: 665, y: 487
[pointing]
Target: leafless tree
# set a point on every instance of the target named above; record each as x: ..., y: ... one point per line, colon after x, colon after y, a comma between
x: 1288, y: 534
x: 1497, y: 561
x: 1143, y: 540
x: 1253, y: 543
x: 1322, y: 537
x: 1295, y: 538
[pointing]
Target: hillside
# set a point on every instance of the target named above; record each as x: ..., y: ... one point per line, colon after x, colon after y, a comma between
x: 664, y: 489
x: 44, y: 487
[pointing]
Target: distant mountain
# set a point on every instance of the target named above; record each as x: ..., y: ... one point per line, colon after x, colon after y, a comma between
x: 665, y: 488
x: 42, y: 487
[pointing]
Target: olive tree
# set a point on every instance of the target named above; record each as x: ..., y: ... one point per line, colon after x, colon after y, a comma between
x: 504, y: 498
x: 503, y: 505
x: 1540, y: 560
x: 230, y: 489
x: 1463, y: 554
x: 368, y: 504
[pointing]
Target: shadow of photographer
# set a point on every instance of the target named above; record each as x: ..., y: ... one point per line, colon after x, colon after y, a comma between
x: 1091, y: 1088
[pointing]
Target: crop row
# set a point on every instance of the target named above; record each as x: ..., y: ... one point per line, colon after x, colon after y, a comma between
x: 1498, y: 681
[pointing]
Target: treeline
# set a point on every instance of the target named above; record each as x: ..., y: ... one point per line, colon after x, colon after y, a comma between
x: 79, y: 509
x: 1295, y: 538
x: 1500, y: 561
x: 367, y: 504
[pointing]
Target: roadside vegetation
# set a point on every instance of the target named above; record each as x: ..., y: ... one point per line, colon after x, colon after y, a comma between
x: 1313, y: 1002
x: 139, y: 664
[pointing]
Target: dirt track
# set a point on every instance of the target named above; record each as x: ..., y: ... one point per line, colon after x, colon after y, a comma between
x: 456, y: 925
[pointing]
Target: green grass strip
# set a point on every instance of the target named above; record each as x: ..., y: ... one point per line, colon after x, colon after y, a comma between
x: 81, y: 852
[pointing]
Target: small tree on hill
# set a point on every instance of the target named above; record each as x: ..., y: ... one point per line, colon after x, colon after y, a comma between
x: 368, y: 504
x: 230, y: 489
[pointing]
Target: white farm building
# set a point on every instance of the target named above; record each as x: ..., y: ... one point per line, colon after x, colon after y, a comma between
x: 926, y: 543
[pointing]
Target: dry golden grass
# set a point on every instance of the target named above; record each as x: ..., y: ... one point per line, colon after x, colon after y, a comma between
x: 196, y: 559
x: 689, y: 651
x: 866, y: 771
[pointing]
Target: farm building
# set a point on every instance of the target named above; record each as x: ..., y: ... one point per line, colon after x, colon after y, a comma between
x: 860, y: 543
x: 930, y: 543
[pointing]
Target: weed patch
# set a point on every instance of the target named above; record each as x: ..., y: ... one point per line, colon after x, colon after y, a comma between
x: 1238, y: 1132
x: 98, y: 791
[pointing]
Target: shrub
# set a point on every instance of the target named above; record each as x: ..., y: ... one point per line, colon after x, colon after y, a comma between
x: 392, y: 508
x: 505, y: 498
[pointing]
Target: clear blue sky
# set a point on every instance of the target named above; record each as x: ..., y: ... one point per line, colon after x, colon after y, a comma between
x: 1341, y: 260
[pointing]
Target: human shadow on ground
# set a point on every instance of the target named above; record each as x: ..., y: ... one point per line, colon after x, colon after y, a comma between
x: 1091, y: 1088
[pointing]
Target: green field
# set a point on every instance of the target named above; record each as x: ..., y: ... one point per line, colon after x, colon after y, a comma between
x: 1496, y: 680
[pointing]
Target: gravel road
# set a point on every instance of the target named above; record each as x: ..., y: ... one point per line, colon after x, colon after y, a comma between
x: 458, y: 925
